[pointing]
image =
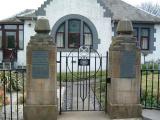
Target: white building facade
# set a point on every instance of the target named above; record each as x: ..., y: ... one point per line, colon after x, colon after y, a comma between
x: 76, y: 23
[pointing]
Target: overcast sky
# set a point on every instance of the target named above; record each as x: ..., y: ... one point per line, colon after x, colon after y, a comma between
x: 9, y: 8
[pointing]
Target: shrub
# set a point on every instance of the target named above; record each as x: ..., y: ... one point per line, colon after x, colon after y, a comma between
x: 13, y: 83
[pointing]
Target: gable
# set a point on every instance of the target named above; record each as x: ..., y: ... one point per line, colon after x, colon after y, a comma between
x: 116, y: 9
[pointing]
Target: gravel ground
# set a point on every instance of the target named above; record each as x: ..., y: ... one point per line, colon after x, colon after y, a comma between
x: 79, y: 97
x: 14, y: 111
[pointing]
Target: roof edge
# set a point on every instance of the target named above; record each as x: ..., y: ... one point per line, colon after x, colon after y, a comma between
x: 41, y: 11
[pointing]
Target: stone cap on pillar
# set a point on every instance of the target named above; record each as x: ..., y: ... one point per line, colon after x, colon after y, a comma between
x: 42, y: 26
x: 124, y: 27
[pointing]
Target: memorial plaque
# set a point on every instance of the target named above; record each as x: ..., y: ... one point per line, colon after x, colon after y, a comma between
x: 127, y: 68
x: 40, y: 65
x: 83, y: 62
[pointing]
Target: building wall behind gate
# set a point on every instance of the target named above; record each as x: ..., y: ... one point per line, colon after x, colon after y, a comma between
x: 90, y: 9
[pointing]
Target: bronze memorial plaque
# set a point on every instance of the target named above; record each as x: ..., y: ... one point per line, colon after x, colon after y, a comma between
x: 40, y: 65
x: 128, y: 64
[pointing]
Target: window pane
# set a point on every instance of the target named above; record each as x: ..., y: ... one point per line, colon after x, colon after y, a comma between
x: 60, y: 39
x: 61, y: 28
x: 0, y: 39
x: 74, y: 40
x: 21, y: 27
x: 74, y: 26
x: 144, y: 43
x: 145, y: 32
x: 87, y: 39
x: 135, y: 33
x: 10, y: 26
x: 86, y: 29
x: 11, y: 39
x: 21, y: 40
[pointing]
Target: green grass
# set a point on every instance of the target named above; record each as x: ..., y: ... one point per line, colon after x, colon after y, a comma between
x: 150, y: 90
x: 74, y: 76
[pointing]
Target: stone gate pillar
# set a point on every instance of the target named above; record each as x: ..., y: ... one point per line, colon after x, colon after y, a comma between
x: 41, y: 101
x: 124, y: 71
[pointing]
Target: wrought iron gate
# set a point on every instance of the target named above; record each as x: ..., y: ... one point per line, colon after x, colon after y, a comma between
x: 82, y: 77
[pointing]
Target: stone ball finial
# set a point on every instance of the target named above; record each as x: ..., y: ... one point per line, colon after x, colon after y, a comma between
x: 42, y: 26
x: 124, y: 27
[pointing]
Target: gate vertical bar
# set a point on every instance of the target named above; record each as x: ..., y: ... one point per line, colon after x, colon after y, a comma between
x: 158, y: 91
x: 4, y: 89
x: 66, y: 80
x: 106, y: 81
x: 23, y: 86
x: 141, y: 86
x: 89, y: 82
x: 77, y: 81
x: 95, y: 84
x: 60, y: 75
x: 83, y: 85
x: 10, y: 79
x: 86, y: 84
x: 100, y: 83
x: 152, y: 88
x: 146, y: 95
x: 17, y: 92
x: 72, y: 86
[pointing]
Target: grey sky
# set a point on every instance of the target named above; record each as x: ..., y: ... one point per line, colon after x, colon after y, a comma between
x: 11, y: 7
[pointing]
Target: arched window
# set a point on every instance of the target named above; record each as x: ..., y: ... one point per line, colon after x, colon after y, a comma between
x: 78, y: 33
x: 73, y: 31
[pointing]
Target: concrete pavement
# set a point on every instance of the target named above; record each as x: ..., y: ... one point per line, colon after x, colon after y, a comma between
x: 98, y: 115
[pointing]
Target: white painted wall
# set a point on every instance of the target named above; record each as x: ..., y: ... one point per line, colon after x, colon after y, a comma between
x: 28, y: 32
x: 60, y: 8
x: 87, y: 8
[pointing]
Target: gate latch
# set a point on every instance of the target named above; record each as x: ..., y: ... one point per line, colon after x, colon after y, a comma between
x: 109, y: 80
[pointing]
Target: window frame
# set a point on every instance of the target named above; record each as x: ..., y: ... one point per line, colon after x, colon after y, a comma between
x: 78, y: 33
x: 84, y: 24
x: 4, y: 44
x: 63, y: 35
x: 148, y: 37
x: 137, y: 37
x: 6, y: 41
x: 67, y: 34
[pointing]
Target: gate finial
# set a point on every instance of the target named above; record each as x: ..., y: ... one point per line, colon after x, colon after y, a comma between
x: 42, y: 26
x: 124, y: 27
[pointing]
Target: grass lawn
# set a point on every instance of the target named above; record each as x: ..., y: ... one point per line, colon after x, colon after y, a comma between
x: 150, y: 87
x: 150, y: 90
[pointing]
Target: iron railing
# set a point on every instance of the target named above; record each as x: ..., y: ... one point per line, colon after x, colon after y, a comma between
x: 150, y: 88
x: 12, y: 89
x: 12, y: 94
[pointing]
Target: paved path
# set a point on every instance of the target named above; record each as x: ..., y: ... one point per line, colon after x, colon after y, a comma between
x: 80, y: 96
x: 152, y: 114
x: 148, y: 115
x: 83, y: 116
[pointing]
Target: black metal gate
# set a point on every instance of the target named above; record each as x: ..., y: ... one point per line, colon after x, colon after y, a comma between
x: 82, y: 75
